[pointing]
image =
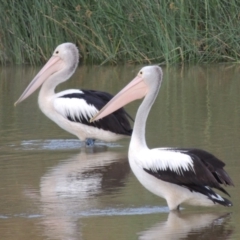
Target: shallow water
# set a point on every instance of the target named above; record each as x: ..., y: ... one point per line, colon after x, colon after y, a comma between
x: 51, y: 187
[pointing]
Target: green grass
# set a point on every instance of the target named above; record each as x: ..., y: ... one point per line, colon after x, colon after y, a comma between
x: 121, y: 31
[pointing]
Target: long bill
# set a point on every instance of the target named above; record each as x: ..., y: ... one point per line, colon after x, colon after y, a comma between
x: 53, y: 65
x: 136, y: 89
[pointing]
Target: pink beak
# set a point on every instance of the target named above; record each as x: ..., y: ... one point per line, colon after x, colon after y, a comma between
x: 53, y: 65
x: 136, y: 89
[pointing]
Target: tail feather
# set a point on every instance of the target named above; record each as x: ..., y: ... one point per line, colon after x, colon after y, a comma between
x: 220, y: 200
x: 213, y: 196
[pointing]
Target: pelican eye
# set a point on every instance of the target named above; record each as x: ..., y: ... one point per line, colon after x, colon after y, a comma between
x: 141, y: 73
x: 57, y: 52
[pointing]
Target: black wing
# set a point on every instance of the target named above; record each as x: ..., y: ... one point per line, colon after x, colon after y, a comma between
x: 116, y: 122
x: 212, y: 163
x: 207, y: 172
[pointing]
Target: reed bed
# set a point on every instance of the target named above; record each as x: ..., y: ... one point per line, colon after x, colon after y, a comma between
x: 121, y: 31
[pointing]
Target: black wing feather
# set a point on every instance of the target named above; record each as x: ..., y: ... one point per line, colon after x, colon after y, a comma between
x: 213, y: 164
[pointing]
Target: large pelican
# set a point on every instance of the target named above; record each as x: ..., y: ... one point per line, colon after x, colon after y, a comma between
x: 178, y: 175
x: 72, y: 109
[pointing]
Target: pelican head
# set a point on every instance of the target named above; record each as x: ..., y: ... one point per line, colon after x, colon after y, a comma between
x: 59, y: 68
x: 148, y: 80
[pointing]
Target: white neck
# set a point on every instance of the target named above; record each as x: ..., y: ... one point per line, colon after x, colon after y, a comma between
x: 138, y: 140
x: 48, y: 87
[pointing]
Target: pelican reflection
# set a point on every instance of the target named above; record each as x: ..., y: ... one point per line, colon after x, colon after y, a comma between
x: 205, y: 226
x: 70, y: 190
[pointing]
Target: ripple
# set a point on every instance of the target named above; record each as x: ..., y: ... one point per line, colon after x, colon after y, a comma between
x: 124, y: 211
x: 60, y: 144
x: 100, y: 212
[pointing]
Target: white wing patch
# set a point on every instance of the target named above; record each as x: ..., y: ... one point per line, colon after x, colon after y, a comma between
x: 76, y: 108
x: 163, y: 159
x: 68, y: 91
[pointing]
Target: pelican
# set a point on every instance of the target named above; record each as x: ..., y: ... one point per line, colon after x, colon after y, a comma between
x: 175, y: 174
x: 72, y: 109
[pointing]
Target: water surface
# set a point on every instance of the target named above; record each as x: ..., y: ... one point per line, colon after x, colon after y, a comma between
x: 53, y: 188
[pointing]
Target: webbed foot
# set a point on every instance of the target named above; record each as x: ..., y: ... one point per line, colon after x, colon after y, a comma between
x: 89, y: 142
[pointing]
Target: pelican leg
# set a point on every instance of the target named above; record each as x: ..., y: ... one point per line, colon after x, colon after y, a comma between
x: 89, y: 142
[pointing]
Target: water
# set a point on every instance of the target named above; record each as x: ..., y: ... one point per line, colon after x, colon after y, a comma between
x: 51, y: 187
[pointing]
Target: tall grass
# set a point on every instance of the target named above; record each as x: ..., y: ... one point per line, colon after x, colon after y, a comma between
x: 113, y: 31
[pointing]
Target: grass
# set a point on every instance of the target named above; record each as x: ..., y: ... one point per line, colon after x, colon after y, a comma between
x: 110, y: 31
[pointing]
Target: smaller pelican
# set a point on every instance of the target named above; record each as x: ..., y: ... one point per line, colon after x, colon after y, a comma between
x: 176, y: 174
x: 72, y: 109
